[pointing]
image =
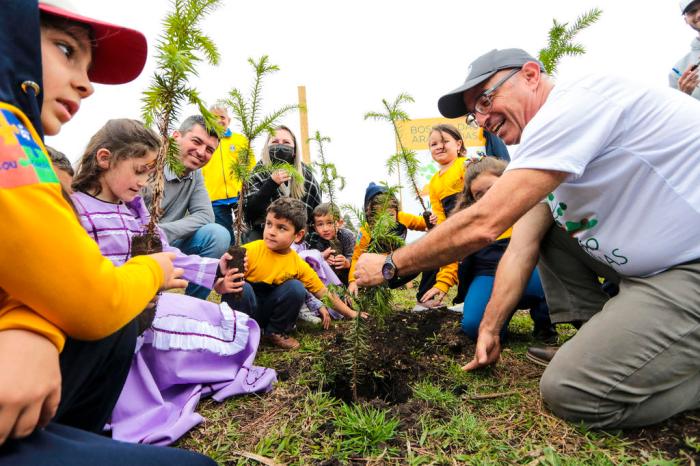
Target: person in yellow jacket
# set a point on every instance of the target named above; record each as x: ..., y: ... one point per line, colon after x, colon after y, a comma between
x: 448, y: 150
x: 222, y: 185
x: 374, y: 198
x: 55, y: 286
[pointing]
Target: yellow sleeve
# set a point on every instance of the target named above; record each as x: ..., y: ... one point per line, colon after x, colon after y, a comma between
x: 446, y: 277
x: 435, y: 202
x: 16, y: 316
x: 309, y: 277
x: 412, y: 222
x: 48, y: 264
x: 363, y: 239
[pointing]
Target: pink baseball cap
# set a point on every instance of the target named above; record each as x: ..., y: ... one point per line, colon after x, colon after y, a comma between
x: 118, y: 54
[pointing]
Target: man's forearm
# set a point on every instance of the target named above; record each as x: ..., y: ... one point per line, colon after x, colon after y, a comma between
x: 513, y: 274
x: 514, y: 194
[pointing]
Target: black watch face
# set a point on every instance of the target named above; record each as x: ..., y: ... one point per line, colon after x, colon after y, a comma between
x: 388, y: 271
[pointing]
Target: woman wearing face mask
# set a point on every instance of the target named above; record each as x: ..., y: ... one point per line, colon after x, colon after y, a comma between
x: 265, y: 186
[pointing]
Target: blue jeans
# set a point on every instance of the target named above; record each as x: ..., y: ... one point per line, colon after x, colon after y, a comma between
x: 274, y: 308
x: 223, y: 215
x: 479, y: 294
x: 59, y: 445
x: 212, y: 241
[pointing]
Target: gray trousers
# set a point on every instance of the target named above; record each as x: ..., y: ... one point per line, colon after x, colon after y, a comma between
x: 636, y: 361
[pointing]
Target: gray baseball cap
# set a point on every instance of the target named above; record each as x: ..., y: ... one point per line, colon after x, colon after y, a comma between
x: 451, y: 105
x: 684, y: 4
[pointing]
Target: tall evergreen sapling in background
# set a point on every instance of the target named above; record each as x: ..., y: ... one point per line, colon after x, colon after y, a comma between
x: 181, y: 48
x: 328, y: 178
x: 560, y: 39
x: 177, y: 54
x: 403, y: 158
x: 247, y: 112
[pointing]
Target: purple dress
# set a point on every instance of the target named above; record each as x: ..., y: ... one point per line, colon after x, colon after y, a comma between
x: 194, y: 347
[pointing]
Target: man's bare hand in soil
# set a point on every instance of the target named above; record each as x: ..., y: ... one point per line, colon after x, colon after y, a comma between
x: 30, y: 383
x: 488, y: 350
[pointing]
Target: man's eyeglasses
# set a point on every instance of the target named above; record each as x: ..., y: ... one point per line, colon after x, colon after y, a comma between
x: 485, y: 100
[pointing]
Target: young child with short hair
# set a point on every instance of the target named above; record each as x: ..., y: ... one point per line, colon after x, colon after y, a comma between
x: 376, y: 200
x: 335, y: 242
x: 277, y: 277
x: 187, y: 333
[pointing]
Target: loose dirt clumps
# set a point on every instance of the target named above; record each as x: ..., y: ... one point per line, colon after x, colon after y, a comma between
x: 407, y: 348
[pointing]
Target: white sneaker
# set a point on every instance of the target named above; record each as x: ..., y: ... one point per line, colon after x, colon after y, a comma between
x: 306, y: 315
x: 419, y: 308
x: 458, y: 308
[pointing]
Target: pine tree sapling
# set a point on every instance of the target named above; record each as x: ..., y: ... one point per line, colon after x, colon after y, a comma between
x: 403, y: 158
x: 181, y: 48
x: 329, y: 177
x: 248, y: 113
x: 560, y: 39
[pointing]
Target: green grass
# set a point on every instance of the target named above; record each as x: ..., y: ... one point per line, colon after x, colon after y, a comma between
x: 494, y: 416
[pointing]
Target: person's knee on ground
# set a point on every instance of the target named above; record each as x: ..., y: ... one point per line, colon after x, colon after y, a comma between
x: 563, y: 390
x: 213, y: 241
x: 470, y: 324
x: 289, y: 298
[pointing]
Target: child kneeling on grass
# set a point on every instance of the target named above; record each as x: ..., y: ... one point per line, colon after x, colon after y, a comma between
x: 277, y: 277
x: 335, y: 242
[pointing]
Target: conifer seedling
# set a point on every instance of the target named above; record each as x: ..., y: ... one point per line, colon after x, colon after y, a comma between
x: 404, y: 158
x: 181, y: 49
x: 248, y: 113
x: 329, y: 177
x: 560, y: 40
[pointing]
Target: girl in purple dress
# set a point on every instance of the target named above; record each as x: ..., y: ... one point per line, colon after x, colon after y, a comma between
x: 193, y: 347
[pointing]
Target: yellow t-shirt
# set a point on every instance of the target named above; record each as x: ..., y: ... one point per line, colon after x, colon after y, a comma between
x: 267, y: 266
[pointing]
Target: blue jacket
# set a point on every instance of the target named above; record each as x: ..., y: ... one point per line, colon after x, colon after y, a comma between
x: 20, y: 57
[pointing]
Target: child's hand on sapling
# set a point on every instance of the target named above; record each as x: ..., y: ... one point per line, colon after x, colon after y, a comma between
x: 231, y: 282
x: 325, y: 315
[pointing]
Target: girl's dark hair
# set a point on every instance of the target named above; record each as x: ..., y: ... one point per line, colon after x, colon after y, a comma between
x: 290, y: 209
x: 58, y: 23
x: 474, y: 168
x: 380, y: 202
x: 454, y: 132
x: 125, y: 139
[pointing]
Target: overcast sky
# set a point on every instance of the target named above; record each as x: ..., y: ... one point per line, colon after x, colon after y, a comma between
x: 350, y: 55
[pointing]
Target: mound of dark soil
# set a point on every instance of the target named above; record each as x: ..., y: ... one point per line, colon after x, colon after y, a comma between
x: 407, y: 348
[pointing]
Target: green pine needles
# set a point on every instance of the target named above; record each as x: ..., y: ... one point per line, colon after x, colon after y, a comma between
x: 181, y: 49
x: 329, y: 174
x: 248, y: 113
x: 376, y: 301
x: 404, y: 158
x: 560, y: 41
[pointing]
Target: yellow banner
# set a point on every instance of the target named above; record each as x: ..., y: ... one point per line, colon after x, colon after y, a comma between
x: 415, y: 133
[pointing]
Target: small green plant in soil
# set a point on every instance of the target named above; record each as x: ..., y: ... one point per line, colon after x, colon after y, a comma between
x: 330, y: 181
x: 404, y: 158
x: 364, y: 430
x: 247, y: 112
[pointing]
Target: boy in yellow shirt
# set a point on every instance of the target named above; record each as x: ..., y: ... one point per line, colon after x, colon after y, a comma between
x: 277, y: 277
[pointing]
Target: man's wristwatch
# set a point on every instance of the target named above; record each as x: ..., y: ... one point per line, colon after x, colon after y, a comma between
x: 389, y: 270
